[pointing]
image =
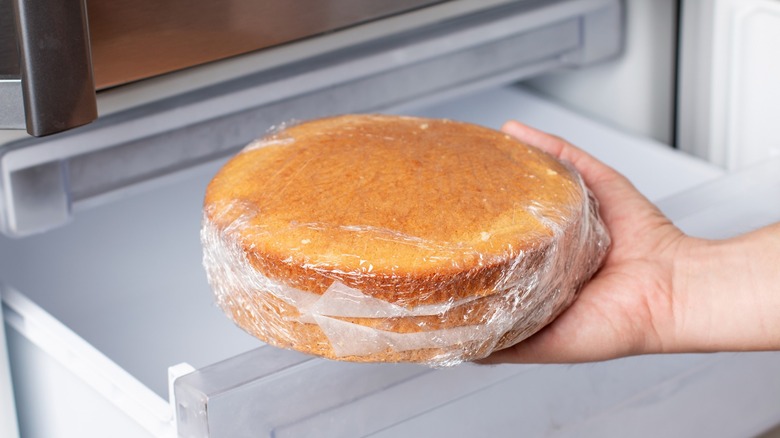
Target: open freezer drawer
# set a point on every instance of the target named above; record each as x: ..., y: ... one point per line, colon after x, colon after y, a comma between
x: 725, y: 395
x: 98, y: 310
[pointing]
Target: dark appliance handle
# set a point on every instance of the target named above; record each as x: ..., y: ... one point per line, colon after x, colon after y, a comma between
x: 58, y: 87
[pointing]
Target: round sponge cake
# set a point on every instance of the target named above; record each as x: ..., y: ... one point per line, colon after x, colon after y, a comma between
x: 387, y: 238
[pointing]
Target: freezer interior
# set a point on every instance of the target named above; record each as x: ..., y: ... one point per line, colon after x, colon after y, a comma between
x: 119, y: 295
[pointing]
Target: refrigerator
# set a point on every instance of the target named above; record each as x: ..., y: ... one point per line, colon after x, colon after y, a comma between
x: 110, y: 328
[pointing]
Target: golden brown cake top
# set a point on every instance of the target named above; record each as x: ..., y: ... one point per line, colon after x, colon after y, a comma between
x: 387, y: 195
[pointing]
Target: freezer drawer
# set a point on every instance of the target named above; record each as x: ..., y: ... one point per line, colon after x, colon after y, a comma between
x: 97, y: 311
x: 8, y: 423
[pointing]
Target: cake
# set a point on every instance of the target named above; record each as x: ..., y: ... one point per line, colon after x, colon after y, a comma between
x: 387, y: 238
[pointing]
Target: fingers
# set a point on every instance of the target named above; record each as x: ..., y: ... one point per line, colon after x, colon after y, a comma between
x: 551, y: 144
x: 597, y: 327
x: 531, y: 352
x: 526, y: 352
x: 613, y: 190
x: 548, y: 347
x: 592, y: 170
x: 541, y: 349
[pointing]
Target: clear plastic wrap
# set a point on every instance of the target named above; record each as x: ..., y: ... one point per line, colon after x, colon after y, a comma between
x: 380, y: 238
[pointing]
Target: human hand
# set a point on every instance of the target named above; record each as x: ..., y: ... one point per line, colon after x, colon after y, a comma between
x: 627, y: 308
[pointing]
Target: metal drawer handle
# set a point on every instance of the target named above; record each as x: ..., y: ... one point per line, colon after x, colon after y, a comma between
x: 55, y: 68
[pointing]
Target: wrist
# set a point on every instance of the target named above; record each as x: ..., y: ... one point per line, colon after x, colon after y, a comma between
x: 690, y: 308
x: 725, y: 294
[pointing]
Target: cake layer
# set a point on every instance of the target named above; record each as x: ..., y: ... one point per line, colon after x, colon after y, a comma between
x: 408, y: 210
x: 384, y: 238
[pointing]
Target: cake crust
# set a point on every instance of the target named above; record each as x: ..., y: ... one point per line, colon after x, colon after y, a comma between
x: 412, y: 211
x: 383, y: 238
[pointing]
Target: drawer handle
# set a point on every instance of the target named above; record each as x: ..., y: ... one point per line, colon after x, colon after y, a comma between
x: 55, y: 67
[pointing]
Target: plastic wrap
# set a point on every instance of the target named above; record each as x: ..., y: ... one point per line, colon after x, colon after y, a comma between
x: 303, y: 260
